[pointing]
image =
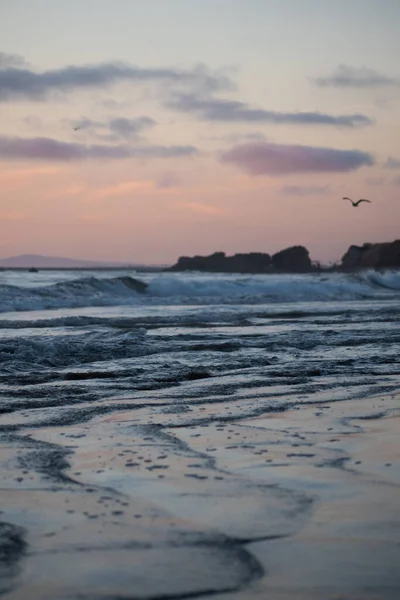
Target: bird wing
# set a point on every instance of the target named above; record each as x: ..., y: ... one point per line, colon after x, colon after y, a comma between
x: 346, y: 198
x: 363, y: 200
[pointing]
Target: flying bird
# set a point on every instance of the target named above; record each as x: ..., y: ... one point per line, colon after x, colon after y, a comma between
x: 358, y: 201
x: 76, y: 128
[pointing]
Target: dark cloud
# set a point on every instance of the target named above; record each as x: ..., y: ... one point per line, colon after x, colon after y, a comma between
x: 119, y: 127
x: 54, y: 150
x: 392, y: 163
x: 111, y: 104
x: 353, y: 77
x: 11, y: 60
x: 23, y: 83
x: 130, y: 127
x: 215, y: 109
x: 282, y: 159
x: 310, y: 190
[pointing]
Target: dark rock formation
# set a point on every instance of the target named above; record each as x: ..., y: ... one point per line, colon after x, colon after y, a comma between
x: 295, y: 259
x: 253, y: 262
x: 372, y: 256
x: 291, y: 260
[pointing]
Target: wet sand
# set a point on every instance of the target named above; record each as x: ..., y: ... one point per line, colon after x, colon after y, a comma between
x: 301, y: 504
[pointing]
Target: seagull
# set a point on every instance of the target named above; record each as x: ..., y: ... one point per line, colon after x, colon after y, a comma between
x: 76, y: 128
x: 358, y: 201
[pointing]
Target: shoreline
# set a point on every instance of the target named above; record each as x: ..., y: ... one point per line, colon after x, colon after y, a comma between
x: 295, y: 504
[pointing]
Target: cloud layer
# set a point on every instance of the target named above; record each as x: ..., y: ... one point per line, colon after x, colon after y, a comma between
x: 392, y: 163
x: 11, y: 60
x: 54, y: 150
x: 119, y: 127
x: 284, y: 159
x: 216, y: 109
x: 305, y: 190
x: 193, y: 91
x: 17, y: 83
x: 357, y: 77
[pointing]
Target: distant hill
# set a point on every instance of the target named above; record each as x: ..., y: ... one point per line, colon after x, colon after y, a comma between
x: 54, y: 262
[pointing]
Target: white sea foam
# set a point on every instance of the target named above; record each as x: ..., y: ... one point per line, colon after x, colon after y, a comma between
x: 279, y: 288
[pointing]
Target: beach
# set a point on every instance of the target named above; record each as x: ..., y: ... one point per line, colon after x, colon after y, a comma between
x: 199, y: 300
x: 236, y: 446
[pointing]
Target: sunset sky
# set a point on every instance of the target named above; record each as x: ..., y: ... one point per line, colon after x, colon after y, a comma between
x: 142, y: 130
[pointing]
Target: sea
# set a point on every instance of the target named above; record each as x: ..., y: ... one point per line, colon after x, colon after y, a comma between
x: 75, y: 343
x: 167, y: 440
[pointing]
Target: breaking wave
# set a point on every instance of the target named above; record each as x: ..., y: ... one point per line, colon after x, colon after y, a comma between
x: 196, y: 288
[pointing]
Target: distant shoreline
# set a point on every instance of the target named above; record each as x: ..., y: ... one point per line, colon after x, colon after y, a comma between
x: 124, y: 268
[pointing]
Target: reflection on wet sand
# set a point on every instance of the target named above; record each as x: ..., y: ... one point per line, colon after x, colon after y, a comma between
x: 296, y: 504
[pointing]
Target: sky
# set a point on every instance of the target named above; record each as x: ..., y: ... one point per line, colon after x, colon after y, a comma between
x: 143, y: 130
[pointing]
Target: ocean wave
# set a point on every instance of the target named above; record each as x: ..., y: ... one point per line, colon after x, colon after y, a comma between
x: 186, y: 289
x: 277, y: 288
x: 90, y: 291
x: 31, y: 352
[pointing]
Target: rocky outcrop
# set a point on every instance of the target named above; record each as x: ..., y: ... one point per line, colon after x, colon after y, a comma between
x: 372, y: 256
x: 253, y: 262
x: 295, y: 259
x: 291, y: 260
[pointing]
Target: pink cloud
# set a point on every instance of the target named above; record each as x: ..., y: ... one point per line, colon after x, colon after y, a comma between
x: 123, y: 188
x: 13, y: 215
x: 261, y: 158
x: 19, y: 176
x: 198, y: 207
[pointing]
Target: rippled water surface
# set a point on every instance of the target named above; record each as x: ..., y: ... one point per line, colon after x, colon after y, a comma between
x: 74, y: 340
